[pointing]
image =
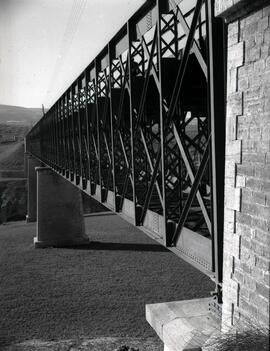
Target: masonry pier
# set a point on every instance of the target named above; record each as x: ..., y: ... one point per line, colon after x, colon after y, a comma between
x: 31, y: 162
x: 60, y: 219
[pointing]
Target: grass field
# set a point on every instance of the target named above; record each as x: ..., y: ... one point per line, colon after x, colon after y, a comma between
x: 89, y: 292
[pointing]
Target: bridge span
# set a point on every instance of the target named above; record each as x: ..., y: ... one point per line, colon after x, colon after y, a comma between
x: 142, y: 129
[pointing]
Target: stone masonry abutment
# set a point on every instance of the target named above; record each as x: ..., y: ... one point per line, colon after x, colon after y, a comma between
x: 246, y: 260
x: 247, y: 163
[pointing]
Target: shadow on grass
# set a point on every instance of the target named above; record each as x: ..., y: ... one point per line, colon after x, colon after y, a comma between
x: 97, y: 245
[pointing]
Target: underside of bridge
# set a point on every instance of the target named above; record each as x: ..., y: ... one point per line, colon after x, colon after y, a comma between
x: 142, y: 129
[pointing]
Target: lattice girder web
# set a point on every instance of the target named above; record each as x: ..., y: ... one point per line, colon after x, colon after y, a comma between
x: 142, y: 127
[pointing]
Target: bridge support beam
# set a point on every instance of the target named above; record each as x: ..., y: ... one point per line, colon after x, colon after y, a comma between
x: 31, y: 163
x: 60, y: 220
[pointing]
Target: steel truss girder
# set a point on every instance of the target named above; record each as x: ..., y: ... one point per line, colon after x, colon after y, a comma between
x: 147, y: 125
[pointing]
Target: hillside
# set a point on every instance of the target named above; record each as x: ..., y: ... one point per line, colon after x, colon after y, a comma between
x: 12, y: 156
x: 17, y: 114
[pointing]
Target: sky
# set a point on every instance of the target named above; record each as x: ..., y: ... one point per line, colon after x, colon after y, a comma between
x: 46, y: 44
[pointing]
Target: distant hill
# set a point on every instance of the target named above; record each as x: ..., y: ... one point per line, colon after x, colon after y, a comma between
x: 17, y: 114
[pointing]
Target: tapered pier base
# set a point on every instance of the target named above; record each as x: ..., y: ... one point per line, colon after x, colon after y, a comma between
x: 60, y: 220
x: 32, y: 163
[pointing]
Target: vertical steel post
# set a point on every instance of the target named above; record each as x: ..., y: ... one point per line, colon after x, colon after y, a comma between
x: 131, y: 33
x: 97, y: 69
x: 79, y: 124
x: 55, y: 137
x: 67, y: 134
x: 87, y: 117
x: 216, y: 91
x: 59, y: 138
x: 73, y: 133
x: 64, y: 166
x: 111, y: 56
x: 162, y: 8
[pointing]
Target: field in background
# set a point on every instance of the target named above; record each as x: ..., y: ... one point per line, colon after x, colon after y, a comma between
x: 13, y: 189
x: 18, y: 114
x: 12, y: 156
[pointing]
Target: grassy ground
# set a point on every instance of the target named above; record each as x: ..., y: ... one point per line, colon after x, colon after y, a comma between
x: 89, y: 292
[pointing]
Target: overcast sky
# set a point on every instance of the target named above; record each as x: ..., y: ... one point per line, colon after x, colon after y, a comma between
x: 45, y: 44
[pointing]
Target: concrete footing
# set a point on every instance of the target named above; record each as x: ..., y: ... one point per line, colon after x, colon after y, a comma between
x: 60, y: 220
x: 32, y: 163
x: 183, y: 325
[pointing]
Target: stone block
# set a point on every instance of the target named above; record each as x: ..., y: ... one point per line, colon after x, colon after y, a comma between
x: 266, y: 36
x: 266, y: 279
x: 229, y: 220
x: 222, y: 6
x: 243, y: 84
x: 262, y: 263
x: 252, y: 18
x: 259, y: 301
x: 262, y: 236
x: 246, y: 70
x: 261, y: 223
x: 253, y: 54
x: 254, y: 157
x: 240, y: 181
x: 233, y: 151
x: 235, y: 104
x: 182, y: 325
x: 262, y: 172
x: 232, y: 81
x: 244, y: 218
x: 263, y: 23
x: 266, y: 186
x: 265, y: 51
x: 263, y: 290
x: 248, y: 30
x: 239, y: 277
x: 247, y: 308
x: 230, y: 173
x: 255, y: 92
x: 234, y: 244
x: 244, y: 230
x: 236, y: 55
x: 231, y: 128
x: 233, y: 28
x: 232, y: 198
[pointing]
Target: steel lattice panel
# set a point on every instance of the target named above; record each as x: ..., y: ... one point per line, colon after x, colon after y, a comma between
x: 143, y: 130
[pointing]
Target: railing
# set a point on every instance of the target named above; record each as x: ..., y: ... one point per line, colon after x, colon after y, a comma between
x: 142, y: 130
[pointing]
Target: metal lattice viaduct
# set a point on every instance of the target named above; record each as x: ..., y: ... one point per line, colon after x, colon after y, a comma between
x: 142, y: 128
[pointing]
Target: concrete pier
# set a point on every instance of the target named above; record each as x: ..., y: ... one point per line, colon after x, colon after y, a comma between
x: 60, y: 220
x: 32, y: 162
